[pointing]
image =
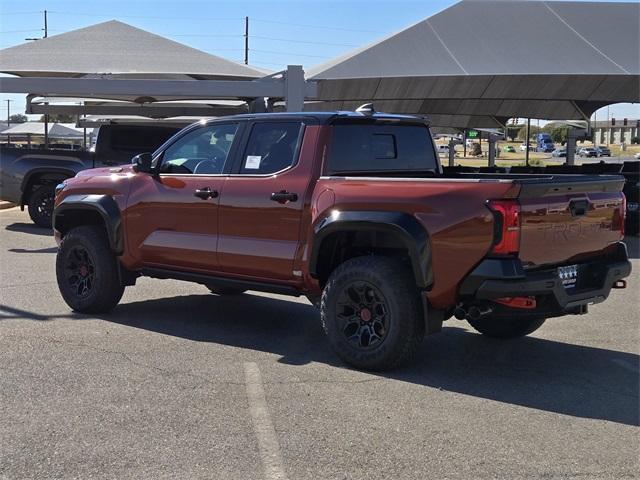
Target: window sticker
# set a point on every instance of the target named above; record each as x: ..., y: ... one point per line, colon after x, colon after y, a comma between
x: 253, y: 162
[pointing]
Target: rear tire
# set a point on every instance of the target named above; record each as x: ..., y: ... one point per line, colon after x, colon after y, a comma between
x: 87, y: 271
x: 41, y: 205
x: 506, y: 328
x: 371, y: 313
x: 226, y: 290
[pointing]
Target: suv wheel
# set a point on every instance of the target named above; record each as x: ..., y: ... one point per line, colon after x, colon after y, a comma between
x: 41, y: 206
x: 371, y: 313
x: 506, y: 328
x: 87, y: 271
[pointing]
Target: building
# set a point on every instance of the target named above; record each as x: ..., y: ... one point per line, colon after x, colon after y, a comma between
x: 615, y: 131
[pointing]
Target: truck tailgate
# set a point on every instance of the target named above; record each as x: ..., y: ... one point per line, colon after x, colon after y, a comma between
x: 566, y: 218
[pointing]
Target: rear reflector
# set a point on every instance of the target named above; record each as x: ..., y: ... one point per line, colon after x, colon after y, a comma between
x: 507, y: 232
x: 527, y: 303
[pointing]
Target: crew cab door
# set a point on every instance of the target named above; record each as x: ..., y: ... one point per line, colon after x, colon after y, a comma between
x: 261, y: 206
x: 173, y: 217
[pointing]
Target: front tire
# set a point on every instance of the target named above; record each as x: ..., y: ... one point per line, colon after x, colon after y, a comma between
x: 87, y: 271
x: 371, y: 313
x: 41, y: 206
x: 506, y: 328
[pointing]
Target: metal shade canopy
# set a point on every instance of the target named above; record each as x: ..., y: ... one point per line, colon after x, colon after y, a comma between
x: 115, y: 48
x: 481, y: 62
x: 115, y: 61
x: 55, y: 130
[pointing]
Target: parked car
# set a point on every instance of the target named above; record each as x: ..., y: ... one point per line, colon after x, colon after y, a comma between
x: 637, y: 156
x: 559, y: 152
x: 588, y: 152
x: 509, y: 149
x: 351, y: 210
x: 523, y: 147
x: 443, y: 149
x: 603, y: 151
x: 29, y: 176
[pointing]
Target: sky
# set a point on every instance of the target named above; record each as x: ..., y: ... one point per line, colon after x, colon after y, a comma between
x: 281, y: 32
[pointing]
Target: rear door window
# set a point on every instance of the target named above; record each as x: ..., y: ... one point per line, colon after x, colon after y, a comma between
x: 272, y: 147
x: 381, y: 148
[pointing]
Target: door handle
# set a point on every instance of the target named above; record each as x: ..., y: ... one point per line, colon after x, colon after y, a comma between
x: 205, y: 193
x: 283, y: 196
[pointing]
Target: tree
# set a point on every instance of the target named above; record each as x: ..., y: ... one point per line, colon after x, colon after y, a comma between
x: 18, y: 118
x: 512, y: 132
x: 559, y: 134
x: 59, y: 118
x: 533, y: 131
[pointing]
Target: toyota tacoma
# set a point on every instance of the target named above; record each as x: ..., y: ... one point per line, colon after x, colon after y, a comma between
x: 352, y: 210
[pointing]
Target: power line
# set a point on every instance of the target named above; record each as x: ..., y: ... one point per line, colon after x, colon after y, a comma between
x: 323, y: 27
x: 20, y: 13
x: 204, y: 35
x: 112, y: 15
x: 288, y: 40
x: 21, y: 31
x: 289, y: 53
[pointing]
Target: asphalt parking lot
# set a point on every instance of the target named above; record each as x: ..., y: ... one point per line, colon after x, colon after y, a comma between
x: 179, y: 383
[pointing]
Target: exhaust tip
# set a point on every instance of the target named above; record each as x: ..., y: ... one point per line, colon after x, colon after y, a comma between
x: 460, y: 313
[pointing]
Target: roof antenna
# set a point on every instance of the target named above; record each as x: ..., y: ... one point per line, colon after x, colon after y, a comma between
x: 366, y: 109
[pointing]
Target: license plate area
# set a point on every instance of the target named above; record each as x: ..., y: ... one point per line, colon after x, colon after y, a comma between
x: 569, y: 276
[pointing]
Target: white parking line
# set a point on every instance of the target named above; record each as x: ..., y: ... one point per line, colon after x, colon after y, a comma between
x: 266, y: 434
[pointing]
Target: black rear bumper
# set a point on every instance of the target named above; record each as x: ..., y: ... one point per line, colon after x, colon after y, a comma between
x: 505, y: 277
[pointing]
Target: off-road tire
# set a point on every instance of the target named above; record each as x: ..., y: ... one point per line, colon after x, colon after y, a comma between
x: 506, y: 328
x: 395, y: 284
x: 41, y: 205
x: 106, y: 288
x: 226, y: 290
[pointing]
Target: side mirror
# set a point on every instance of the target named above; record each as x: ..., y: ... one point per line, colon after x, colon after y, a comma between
x: 142, y: 162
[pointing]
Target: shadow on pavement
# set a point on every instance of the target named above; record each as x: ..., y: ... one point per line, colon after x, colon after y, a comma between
x: 30, y: 228
x: 37, y: 250
x: 531, y: 372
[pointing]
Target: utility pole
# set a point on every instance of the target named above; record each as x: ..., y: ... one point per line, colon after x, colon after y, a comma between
x: 45, y: 29
x: 527, y: 143
x: 246, y: 40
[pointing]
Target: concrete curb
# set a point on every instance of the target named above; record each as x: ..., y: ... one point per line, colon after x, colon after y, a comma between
x: 4, y: 205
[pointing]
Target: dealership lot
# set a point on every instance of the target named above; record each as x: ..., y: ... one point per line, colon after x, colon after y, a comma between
x: 180, y: 383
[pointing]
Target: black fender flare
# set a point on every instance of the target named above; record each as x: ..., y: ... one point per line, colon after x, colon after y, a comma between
x: 42, y: 170
x: 402, y: 226
x: 104, y: 205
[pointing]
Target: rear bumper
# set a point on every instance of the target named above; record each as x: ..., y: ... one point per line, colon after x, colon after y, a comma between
x: 499, y: 278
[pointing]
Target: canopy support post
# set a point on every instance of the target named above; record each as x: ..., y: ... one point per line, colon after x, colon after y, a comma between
x: 294, y: 91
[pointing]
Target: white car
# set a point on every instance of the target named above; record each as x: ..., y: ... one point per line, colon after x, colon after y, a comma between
x: 637, y: 155
x: 443, y: 149
x: 523, y: 147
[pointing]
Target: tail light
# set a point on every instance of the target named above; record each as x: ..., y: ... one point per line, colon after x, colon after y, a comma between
x: 506, y: 239
x: 622, y: 215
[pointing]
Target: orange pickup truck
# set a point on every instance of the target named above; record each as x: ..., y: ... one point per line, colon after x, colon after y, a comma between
x: 352, y: 210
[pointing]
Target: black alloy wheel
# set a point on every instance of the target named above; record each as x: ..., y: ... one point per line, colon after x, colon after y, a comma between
x: 41, y: 205
x: 363, y: 315
x: 80, y: 271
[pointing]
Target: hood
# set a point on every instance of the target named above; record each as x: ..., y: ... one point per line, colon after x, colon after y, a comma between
x: 115, y: 170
